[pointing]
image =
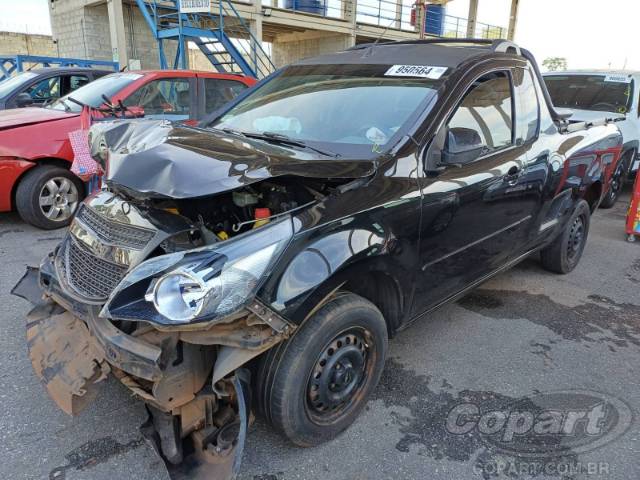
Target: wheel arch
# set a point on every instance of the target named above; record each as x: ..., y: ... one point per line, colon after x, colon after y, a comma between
x: 371, y: 278
x: 56, y: 162
x: 593, y: 194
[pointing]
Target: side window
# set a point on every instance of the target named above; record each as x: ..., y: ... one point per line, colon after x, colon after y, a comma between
x: 47, y: 89
x: 484, y: 121
x: 165, y: 98
x: 527, y: 106
x: 218, y: 92
x: 73, y: 82
x: 77, y: 81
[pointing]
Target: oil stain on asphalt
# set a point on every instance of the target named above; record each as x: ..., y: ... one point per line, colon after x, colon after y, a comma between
x: 425, y: 429
x: 92, y: 453
x: 598, y: 320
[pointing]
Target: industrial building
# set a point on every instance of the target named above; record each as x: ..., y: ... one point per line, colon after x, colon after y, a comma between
x: 252, y: 37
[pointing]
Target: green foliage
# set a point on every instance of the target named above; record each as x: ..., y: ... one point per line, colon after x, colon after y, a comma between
x: 553, y: 64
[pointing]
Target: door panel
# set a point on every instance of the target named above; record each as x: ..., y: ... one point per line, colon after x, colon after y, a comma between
x: 472, y: 213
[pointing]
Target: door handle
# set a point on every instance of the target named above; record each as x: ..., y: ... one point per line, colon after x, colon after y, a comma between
x: 512, y: 175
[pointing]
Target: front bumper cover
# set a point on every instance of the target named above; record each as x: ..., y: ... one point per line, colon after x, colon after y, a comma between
x: 63, y: 353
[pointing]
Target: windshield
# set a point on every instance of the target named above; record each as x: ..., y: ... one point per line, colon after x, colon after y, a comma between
x: 9, y: 85
x: 601, y: 93
x: 350, y: 109
x: 91, y: 94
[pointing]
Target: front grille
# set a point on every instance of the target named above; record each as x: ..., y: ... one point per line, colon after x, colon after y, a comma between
x: 90, y: 276
x: 114, y: 233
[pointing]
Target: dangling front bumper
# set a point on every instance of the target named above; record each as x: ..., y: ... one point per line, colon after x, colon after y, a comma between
x: 192, y: 382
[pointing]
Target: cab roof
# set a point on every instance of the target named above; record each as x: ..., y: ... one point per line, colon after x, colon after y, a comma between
x: 443, y: 52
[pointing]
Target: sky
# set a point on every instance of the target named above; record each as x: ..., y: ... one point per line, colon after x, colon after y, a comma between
x: 588, y: 33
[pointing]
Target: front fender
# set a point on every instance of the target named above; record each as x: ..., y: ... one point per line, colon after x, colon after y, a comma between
x: 11, y: 169
x: 317, y: 264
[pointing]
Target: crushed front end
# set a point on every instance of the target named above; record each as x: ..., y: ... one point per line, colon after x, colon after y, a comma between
x: 167, y: 306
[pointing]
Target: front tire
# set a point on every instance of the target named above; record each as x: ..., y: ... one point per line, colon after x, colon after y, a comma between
x: 313, y: 386
x: 48, y: 196
x: 564, y: 253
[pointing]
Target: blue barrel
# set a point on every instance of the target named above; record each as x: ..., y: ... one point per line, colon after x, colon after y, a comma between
x: 319, y: 7
x: 434, y: 20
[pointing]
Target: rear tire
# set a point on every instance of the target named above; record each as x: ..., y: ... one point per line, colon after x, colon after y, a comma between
x: 313, y: 386
x: 564, y: 253
x: 618, y: 181
x: 48, y: 196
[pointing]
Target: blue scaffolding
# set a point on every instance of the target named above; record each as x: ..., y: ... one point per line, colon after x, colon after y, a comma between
x: 222, y: 35
x: 10, y: 64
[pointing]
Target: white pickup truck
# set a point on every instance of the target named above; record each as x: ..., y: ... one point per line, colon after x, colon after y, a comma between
x: 594, y: 94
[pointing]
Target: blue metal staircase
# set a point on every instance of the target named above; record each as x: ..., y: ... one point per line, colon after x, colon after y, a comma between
x: 222, y: 35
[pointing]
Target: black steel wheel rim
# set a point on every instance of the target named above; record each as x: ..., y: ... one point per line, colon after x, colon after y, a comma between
x: 339, y: 376
x: 576, y: 239
x: 616, y: 181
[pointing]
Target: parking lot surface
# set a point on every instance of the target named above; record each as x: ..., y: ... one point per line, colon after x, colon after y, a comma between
x: 524, y: 333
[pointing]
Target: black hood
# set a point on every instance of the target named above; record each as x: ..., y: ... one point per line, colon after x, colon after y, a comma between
x: 155, y: 158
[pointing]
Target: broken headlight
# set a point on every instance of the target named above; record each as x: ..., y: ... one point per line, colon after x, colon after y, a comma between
x: 202, y: 284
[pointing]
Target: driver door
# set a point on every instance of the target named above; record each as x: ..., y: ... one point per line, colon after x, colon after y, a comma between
x: 470, y: 221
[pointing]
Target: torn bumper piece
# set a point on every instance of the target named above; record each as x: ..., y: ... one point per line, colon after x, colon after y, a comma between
x: 62, y: 351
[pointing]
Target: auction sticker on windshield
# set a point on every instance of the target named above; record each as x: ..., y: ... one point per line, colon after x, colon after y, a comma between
x: 433, y: 73
x: 617, y: 79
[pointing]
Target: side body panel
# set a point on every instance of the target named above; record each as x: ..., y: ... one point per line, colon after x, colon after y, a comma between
x: 370, y: 229
x: 469, y: 223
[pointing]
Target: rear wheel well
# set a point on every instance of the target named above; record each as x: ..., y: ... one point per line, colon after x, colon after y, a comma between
x: 57, y: 162
x: 592, y: 194
x: 384, y: 292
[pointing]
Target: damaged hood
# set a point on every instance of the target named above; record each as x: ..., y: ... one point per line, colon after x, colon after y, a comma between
x: 155, y: 158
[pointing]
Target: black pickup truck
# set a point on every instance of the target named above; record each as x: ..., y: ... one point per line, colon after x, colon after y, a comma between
x: 263, y: 258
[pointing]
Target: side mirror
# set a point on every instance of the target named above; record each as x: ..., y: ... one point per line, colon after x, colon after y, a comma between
x: 564, y: 113
x: 23, y: 99
x: 462, y: 145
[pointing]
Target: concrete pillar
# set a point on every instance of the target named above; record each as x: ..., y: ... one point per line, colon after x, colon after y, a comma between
x: 420, y: 17
x: 513, y: 19
x: 472, y: 18
x: 255, y: 44
x: 116, y: 29
x: 349, y: 14
x: 398, y: 23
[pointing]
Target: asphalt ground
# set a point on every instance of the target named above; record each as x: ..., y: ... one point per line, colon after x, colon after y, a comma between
x: 518, y: 337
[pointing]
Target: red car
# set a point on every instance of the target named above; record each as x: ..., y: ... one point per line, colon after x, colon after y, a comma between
x: 35, y: 152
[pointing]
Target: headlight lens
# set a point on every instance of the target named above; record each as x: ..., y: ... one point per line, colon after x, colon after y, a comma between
x: 178, y: 296
x: 202, y: 284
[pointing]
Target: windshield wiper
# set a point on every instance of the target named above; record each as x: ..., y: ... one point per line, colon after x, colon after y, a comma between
x: 77, y: 102
x: 232, y: 131
x: 67, y: 108
x: 285, y: 140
